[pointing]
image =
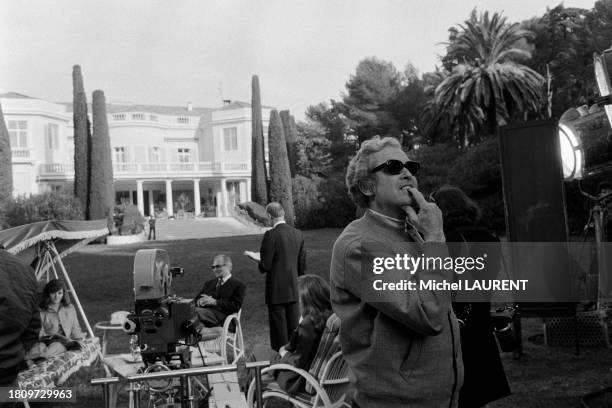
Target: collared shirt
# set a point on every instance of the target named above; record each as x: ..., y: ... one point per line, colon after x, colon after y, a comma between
x: 229, y: 275
x: 278, y: 222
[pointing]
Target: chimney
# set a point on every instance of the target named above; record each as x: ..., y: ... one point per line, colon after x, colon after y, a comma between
x: 189, y: 106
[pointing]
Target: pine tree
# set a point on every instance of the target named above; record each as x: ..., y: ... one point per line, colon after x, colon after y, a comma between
x: 6, y: 163
x: 290, y: 130
x: 259, y: 178
x: 82, y: 141
x: 280, y: 176
x: 101, y: 197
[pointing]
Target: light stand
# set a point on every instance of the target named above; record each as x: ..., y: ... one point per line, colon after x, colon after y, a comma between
x: 598, y: 214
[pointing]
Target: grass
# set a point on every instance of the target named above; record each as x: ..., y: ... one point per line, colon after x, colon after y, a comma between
x: 545, y: 377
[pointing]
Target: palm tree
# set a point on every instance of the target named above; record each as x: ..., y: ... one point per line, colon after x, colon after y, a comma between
x: 487, y: 85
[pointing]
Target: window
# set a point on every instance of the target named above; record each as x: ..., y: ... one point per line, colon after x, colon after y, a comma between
x: 154, y: 154
x: 138, y: 116
x: 230, y: 138
x: 118, y: 116
x: 182, y: 119
x: 153, y: 118
x: 52, y: 136
x: 18, y: 132
x: 183, y: 155
x: 119, y: 155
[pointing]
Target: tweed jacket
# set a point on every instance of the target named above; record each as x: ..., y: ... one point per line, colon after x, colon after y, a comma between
x: 403, y: 351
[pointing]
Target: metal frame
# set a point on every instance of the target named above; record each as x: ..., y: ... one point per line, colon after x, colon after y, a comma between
x: 184, y: 374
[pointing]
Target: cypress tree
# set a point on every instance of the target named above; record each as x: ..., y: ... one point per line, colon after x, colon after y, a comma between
x: 259, y: 178
x: 82, y: 141
x: 6, y: 161
x: 290, y: 130
x: 280, y: 176
x: 101, y: 194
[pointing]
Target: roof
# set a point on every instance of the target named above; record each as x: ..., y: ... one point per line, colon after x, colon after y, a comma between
x: 15, y: 95
x: 160, y: 110
x: 240, y: 104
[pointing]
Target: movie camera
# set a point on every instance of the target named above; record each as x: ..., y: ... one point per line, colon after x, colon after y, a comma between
x: 162, y: 322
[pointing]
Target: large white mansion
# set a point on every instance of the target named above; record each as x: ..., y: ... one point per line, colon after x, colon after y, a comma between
x: 159, y: 152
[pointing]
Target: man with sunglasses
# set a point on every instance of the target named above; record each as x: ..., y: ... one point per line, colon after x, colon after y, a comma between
x: 220, y: 296
x: 402, y: 346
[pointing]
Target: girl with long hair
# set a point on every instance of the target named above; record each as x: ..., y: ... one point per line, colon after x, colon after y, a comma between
x: 60, y: 329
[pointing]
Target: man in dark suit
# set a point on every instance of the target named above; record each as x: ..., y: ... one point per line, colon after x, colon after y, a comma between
x: 220, y: 296
x: 283, y: 259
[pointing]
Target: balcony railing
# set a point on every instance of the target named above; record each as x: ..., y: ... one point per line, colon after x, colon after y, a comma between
x: 57, y: 170
x: 192, y: 168
x: 131, y: 170
x: 20, y: 153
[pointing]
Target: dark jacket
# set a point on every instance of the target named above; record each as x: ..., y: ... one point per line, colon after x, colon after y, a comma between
x: 485, y: 379
x: 301, y: 350
x: 402, y: 350
x: 283, y: 259
x: 230, y: 296
x: 19, y: 315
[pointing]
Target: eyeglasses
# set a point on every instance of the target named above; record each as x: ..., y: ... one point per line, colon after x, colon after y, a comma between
x: 216, y: 266
x: 394, y: 167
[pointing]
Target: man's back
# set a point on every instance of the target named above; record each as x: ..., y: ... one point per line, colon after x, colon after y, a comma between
x: 283, y: 259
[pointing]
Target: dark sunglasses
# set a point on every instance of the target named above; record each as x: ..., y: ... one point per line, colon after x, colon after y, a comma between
x: 216, y: 266
x: 394, y: 167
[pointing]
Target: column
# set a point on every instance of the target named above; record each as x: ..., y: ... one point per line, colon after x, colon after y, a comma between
x: 196, y: 196
x: 169, y: 199
x: 248, y: 189
x: 243, y: 193
x: 140, y: 196
x: 151, y: 203
x: 224, y: 197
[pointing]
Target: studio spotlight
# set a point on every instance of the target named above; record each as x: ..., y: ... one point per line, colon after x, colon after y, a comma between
x: 586, y: 145
x: 603, y: 69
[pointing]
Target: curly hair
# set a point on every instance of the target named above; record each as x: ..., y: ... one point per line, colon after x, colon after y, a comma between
x: 359, y: 167
x: 314, y: 295
x: 53, y: 286
x: 458, y: 210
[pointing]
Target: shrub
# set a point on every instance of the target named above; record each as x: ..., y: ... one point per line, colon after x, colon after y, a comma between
x: 60, y: 205
x: 256, y: 211
x: 322, y: 202
x: 476, y: 170
x: 306, y: 202
x: 128, y: 219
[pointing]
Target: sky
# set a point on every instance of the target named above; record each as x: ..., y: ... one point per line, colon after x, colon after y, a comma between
x: 163, y: 52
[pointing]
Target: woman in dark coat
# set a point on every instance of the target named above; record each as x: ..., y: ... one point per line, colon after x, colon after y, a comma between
x: 485, y: 380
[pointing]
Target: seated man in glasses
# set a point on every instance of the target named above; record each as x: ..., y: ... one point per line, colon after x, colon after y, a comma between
x: 402, y: 346
x: 220, y: 296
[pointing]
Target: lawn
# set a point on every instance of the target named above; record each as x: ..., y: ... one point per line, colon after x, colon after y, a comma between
x: 544, y: 377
